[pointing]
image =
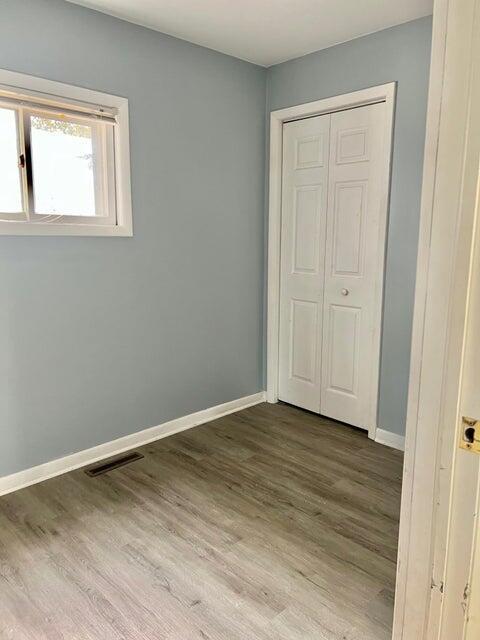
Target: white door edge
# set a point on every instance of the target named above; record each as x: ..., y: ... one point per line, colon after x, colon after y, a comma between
x: 445, y: 247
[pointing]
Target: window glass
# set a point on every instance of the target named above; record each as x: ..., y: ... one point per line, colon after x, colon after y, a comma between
x: 63, y: 167
x: 10, y: 186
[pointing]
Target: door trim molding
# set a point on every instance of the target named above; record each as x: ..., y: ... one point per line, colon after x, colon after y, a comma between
x: 382, y: 93
x: 425, y: 580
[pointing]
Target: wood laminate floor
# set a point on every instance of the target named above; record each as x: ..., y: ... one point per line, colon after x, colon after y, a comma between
x: 269, y: 524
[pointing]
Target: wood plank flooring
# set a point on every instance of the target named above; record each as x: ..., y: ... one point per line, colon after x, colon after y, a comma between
x: 269, y: 524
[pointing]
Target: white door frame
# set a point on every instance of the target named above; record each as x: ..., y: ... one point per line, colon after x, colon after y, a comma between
x: 382, y: 93
x: 427, y: 538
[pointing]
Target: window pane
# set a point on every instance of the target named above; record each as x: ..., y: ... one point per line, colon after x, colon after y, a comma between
x: 10, y: 189
x: 63, y: 167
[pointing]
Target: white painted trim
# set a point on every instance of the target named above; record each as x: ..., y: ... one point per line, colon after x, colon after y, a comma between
x: 81, y: 97
x: 390, y: 439
x: 412, y: 592
x: 457, y: 196
x: 444, y: 258
x: 25, y: 478
x: 382, y: 93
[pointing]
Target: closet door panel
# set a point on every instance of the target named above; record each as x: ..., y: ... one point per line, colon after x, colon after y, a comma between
x: 352, y: 278
x: 304, y: 206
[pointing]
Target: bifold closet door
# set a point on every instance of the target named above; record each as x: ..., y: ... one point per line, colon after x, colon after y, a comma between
x: 332, y: 247
x: 353, y: 265
x: 304, y: 210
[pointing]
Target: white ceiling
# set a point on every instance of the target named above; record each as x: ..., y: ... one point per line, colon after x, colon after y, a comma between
x: 265, y: 31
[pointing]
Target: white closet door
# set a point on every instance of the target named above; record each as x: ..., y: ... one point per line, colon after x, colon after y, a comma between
x: 353, y: 265
x: 304, y: 204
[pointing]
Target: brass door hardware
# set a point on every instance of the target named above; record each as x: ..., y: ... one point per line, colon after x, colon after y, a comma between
x: 470, y: 434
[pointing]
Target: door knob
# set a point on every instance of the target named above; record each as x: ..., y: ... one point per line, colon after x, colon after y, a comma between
x: 345, y: 292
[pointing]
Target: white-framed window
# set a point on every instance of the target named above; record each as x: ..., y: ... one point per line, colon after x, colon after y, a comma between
x: 64, y: 159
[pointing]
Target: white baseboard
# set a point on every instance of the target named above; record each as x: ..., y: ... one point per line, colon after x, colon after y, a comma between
x: 22, y: 479
x: 390, y: 439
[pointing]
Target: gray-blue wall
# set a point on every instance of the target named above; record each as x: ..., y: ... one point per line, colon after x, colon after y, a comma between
x: 400, y: 54
x: 100, y: 337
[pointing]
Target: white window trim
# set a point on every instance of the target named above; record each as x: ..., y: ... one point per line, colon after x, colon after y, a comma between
x: 58, y: 90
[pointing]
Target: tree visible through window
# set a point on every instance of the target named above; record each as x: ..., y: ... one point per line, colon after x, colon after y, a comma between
x: 62, y: 126
x: 63, y: 167
x: 64, y: 159
x: 52, y: 166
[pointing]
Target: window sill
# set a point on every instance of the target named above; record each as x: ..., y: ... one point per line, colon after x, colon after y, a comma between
x: 12, y: 228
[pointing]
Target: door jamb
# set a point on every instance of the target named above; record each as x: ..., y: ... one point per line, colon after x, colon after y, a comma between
x: 442, y: 294
x: 382, y: 93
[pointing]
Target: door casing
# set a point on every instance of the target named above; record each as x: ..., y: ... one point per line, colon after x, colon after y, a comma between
x: 382, y: 93
x: 427, y: 542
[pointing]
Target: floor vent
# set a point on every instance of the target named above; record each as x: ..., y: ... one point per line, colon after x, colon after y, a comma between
x: 115, y: 463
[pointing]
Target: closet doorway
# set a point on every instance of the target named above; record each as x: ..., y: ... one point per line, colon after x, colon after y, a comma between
x: 330, y: 173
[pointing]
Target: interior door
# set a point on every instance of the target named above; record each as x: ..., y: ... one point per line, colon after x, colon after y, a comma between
x: 460, y: 608
x: 472, y: 630
x: 304, y: 208
x: 460, y: 614
x: 353, y: 265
